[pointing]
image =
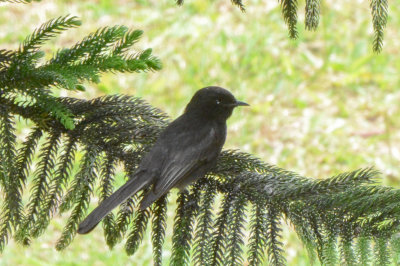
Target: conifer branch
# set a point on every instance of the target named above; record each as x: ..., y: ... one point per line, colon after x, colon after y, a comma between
x: 363, y: 250
x: 395, y: 248
x: 258, y: 239
x: 106, y: 188
x: 22, y: 165
x: 329, y: 250
x: 235, y: 241
x: 56, y: 184
x: 135, y: 237
x: 79, y: 195
x: 379, y: 11
x: 159, y: 225
x: 45, y: 32
x: 289, y: 12
x: 239, y: 4
x: 273, y: 235
x: 106, y: 50
x: 381, y: 250
x: 40, y: 187
x: 346, y: 250
x: 312, y: 14
x: 203, y: 233
x: 320, y: 210
x: 10, y: 214
x: 124, y: 216
x: 219, y: 238
x: 183, y: 225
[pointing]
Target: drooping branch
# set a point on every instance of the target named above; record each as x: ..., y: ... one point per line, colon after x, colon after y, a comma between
x: 346, y: 207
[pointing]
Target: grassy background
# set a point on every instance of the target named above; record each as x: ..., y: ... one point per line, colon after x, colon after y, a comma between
x: 320, y: 105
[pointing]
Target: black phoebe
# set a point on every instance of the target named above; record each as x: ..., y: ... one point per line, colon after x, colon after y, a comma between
x: 184, y: 152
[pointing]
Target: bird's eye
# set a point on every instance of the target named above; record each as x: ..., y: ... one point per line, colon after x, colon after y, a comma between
x: 218, y: 101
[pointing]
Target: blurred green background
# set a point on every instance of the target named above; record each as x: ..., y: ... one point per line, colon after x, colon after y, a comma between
x: 320, y: 105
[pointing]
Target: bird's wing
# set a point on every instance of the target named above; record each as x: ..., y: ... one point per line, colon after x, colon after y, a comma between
x: 187, y: 159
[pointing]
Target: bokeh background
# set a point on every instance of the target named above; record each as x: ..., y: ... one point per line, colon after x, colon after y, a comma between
x: 320, y: 105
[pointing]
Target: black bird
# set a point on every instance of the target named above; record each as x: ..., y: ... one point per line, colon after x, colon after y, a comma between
x: 184, y: 152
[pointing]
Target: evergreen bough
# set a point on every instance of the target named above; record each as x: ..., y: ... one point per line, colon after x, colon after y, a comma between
x: 346, y: 218
x: 379, y: 12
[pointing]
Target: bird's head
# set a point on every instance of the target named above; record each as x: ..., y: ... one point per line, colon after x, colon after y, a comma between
x: 213, y: 101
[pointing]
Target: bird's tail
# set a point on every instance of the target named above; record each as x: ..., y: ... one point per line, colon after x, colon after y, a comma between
x: 131, y: 187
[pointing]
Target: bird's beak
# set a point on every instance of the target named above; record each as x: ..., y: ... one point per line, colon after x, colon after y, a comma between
x: 240, y: 103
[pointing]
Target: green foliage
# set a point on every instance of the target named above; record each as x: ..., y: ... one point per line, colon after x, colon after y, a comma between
x: 235, y: 241
x: 138, y: 229
x: 323, y: 212
x: 107, y: 178
x: 40, y: 187
x: 188, y: 204
x: 203, y: 232
x: 395, y: 245
x: 289, y: 12
x: 26, y: 81
x: 25, y: 91
x: 272, y: 230
x: 10, y: 215
x: 312, y: 14
x: 219, y: 237
x: 346, y: 215
x: 382, y: 255
x: 159, y: 224
x: 258, y: 238
x: 379, y: 11
x: 44, y: 33
x: 239, y: 4
x: 363, y: 250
